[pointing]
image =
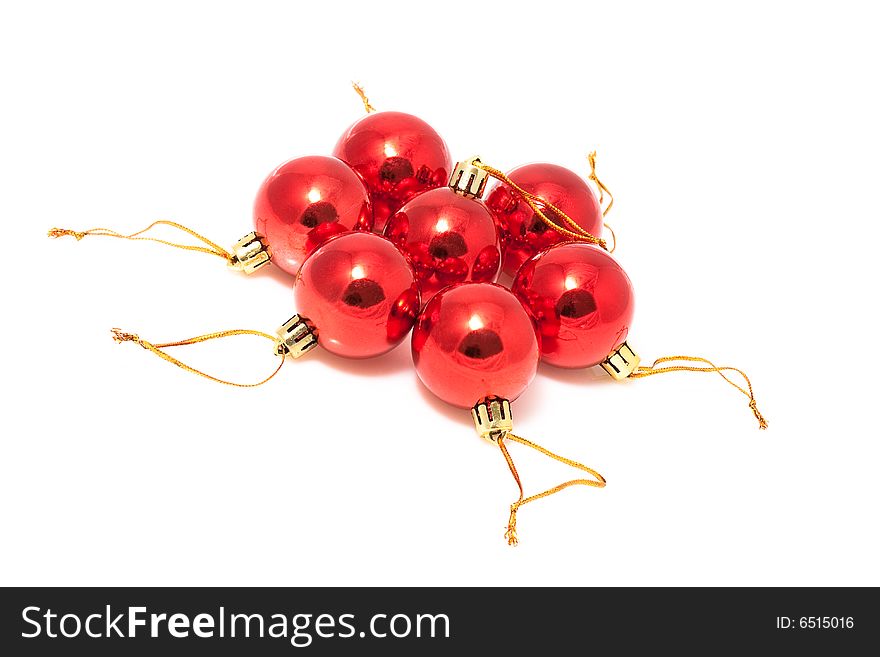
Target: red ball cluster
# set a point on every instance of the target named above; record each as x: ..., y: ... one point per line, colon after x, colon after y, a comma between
x: 435, y: 264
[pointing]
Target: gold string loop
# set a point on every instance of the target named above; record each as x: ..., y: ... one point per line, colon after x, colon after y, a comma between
x: 571, y: 229
x: 653, y: 369
x: 598, y: 482
x: 210, y: 247
x: 359, y: 90
x: 121, y: 336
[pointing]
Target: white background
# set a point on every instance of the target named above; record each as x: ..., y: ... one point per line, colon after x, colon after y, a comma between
x: 741, y: 144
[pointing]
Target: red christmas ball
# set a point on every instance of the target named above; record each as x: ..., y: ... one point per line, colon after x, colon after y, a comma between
x: 473, y: 340
x: 522, y: 232
x: 581, y: 300
x: 306, y: 201
x: 360, y: 293
x: 398, y: 156
x: 449, y: 239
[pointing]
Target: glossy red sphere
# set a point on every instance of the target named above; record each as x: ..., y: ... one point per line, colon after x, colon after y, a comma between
x: 581, y: 301
x: 522, y: 232
x: 306, y: 201
x: 360, y: 293
x: 474, y: 340
x: 398, y: 156
x: 449, y: 239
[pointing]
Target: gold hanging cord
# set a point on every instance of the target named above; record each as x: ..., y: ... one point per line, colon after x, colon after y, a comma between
x: 591, y: 158
x: 570, y: 228
x: 651, y: 370
x: 121, y: 336
x: 209, y: 248
x: 598, y: 482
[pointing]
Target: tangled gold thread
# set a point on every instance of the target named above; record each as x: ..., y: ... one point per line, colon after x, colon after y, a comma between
x: 363, y: 94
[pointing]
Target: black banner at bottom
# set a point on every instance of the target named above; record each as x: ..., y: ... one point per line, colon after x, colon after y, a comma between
x: 433, y: 621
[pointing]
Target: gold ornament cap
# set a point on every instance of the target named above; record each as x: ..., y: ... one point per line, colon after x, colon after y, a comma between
x: 297, y: 336
x: 492, y: 418
x: 468, y: 179
x: 622, y: 362
x: 249, y: 253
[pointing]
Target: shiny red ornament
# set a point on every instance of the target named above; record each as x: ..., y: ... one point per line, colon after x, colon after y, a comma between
x: 360, y: 293
x: 449, y: 238
x: 581, y: 300
x: 473, y: 340
x: 306, y: 201
x: 398, y: 156
x: 522, y: 232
